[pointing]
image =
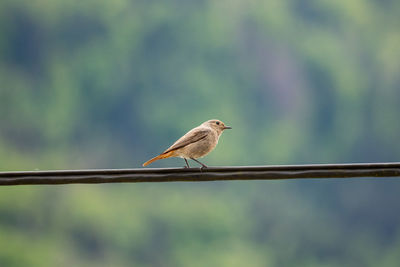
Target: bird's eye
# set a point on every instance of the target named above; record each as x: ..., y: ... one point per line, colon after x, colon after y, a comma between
x: 217, y: 122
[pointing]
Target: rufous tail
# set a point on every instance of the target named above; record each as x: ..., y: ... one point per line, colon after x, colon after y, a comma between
x: 162, y: 156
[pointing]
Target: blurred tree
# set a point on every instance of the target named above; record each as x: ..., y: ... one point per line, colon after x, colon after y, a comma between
x: 110, y: 83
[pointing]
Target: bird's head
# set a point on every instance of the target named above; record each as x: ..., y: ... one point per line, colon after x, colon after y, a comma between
x: 217, y: 125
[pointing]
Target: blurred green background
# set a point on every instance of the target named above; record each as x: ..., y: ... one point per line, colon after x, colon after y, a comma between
x: 109, y: 84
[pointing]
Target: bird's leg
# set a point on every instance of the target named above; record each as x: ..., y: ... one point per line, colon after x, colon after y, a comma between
x: 202, y: 165
x: 187, y: 163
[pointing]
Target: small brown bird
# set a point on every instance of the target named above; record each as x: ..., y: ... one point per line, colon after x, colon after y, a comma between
x: 196, y: 143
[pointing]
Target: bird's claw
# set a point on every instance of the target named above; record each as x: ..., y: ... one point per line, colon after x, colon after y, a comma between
x: 203, y: 167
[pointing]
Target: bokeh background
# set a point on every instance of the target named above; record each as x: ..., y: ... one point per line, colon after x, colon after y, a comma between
x: 109, y: 84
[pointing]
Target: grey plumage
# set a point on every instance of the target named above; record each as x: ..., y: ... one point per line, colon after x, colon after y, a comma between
x: 196, y: 143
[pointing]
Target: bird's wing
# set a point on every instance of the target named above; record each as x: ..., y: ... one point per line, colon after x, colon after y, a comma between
x: 190, y: 137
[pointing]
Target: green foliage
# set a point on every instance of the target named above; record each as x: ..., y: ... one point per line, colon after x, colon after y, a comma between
x: 108, y: 84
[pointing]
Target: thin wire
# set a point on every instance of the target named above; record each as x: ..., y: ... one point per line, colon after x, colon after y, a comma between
x: 96, y: 176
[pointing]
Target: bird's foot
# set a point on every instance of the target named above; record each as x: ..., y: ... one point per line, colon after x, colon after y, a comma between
x: 203, y: 167
x: 187, y: 164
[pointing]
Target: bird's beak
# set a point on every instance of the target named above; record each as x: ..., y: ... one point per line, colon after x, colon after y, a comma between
x: 227, y: 127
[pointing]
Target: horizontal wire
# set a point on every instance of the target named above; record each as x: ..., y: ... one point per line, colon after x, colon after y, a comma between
x: 275, y: 172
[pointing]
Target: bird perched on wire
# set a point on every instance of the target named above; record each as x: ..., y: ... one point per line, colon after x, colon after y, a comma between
x: 195, y: 144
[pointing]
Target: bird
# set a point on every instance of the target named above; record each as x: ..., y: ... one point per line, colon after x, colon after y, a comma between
x: 195, y: 144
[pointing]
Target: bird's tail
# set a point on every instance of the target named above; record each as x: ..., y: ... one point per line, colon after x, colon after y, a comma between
x: 162, y: 156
